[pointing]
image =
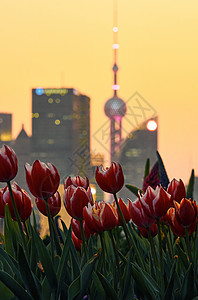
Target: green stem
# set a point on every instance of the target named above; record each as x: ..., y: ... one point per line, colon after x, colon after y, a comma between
x: 103, y: 251
x: 18, y: 219
x: 50, y: 228
x: 115, y: 252
x: 188, y: 244
x: 83, y: 239
x: 168, y: 243
x: 139, y: 257
x: 161, y: 257
x: 26, y: 230
x: 126, y: 231
x: 153, y: 250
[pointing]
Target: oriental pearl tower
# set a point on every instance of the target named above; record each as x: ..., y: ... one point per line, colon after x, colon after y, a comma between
x: 115, y: 107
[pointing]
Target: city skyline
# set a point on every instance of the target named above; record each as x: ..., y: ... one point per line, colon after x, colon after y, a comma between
x: 70, y: 45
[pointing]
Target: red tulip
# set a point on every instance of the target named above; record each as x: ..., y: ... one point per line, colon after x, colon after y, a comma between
x: 77, y: 242
x: 138, y: 215
x: 101, y: 216
x: 75, y: 224
x: 22, y: 201
x: 185, y: 212
x: 176, y: 227
x: 153, y: 230
x: 54, y: 205
x: 42, y: 180
x: 2, y: 204
x: 152, y: 179
x: 110, y: 180
x: 8, y: 164
x: 125, y: 211
x: 75, y: 199
x: 76, y: 181
x: 155, y: 202
x: 177, y: 190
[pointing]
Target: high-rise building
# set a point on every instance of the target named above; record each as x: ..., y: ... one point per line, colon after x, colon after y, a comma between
x: 5, y: 127
x: 140, y: 144
x: 61, y: 129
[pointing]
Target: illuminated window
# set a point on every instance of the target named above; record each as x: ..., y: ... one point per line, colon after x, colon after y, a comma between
x: 50, y: 115
x: 57, y: 122
x: 50, y: 100
x: 50, y: 141
x: 84, y: 132
x: 1, y: 120
x: 36, y: 115
x: 57, y: 100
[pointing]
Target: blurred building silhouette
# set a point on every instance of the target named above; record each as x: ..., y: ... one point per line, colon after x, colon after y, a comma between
x: 61, y: 129
x: 140, y: 144
x: 5, y: 127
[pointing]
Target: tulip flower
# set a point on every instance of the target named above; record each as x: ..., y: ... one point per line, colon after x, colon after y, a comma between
x: 76, y: 181
x: 75, y: 199
x: 42, y: 180
x: 22, y: 201
x: 101, y: 216
x: 2, y: 204
x: 77, y: 242
x: 177, y: 190
x: 152, y: 179
x: 176, y: 227
x: 125, y: 211
x: 185, y: 212
x: 8, y: 164
x: 54, y: 203
x: 75, y: 224
x: 138, y: 215
x: 153, y: 230
x: 155, y: 202
x: 110, y: 180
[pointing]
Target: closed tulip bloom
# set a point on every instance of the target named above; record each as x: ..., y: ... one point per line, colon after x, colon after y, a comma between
x: 22, y: 201
x: 77, y: 242
x: 54, y: 205
x: 177, y: 190
x: 2, y: 204
x: 110, y: 180
x: 153, y: 230
x: 76, y: 181
x: 176, y: 227
x: 8, y: 164
x: 186, y: 212
x: 43, y: 180
x: 75, y: 224
x: 100, y: 217
x: 156, y: 202
x: 75, y: 199
x: 125, y: 211
x: 138, y: 215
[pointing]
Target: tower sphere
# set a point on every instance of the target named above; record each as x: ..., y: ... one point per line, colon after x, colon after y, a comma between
x: 115, y: 107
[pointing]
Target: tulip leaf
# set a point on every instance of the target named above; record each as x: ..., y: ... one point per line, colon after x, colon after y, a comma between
x: 164, y: 181
x: 134, y: 189
x: 28, y: 277
x: 74, y: 288
x: 14, y: 286
x: 98, y: 285
x: 187, y: 290
x: 127, y: 286
x: 12, y: 262
x: 190, y: 189
x: 170, y: 286
x: 145, y: 282
x: 45, y: 261
x: 6, y: 292
x: 110, y: 292
x: 147, y: 168
x: 11, y: 234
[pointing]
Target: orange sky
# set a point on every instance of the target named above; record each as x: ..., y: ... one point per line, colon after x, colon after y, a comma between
x: 52, y: 43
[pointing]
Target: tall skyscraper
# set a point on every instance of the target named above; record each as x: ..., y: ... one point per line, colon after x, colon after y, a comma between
x: 115, y: 107
x: 61, y: 129
x: 5, y: 127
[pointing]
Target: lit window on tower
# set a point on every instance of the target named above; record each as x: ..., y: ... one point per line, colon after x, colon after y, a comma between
x: 50, y: 100
x: 57, y: 122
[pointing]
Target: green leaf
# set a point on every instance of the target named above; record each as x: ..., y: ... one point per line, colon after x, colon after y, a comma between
x: 14, y: 286
x: 28, y: 277
x: 187, y: 289
x: 110, y: 292
x: 134, y: 189
x: 6, y: 292
x: 11, y: 233
x: 170, y: 286
x: 46, y: 261
x: 98, y: 285
x: 12, y: 263
x: 162, y: 172
x: 190, y: 189
x: 147, y: 168
x: 145, y: 282
x: 74, y: 289
x: 127, y: 287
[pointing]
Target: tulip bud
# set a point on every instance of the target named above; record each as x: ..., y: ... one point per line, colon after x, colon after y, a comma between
x: 177, y: 190
x: 77, y: 242
x: 186, y: 212
x: 138, y: 215
x: 110, y: 180
x: 125, y: 211
x: 76, y: 181
x: 42, y: 180
x: 76, y: 229
x: 8, y: 164
x: 54, y: 203
x: 2, y: 204
x: 153, y: 230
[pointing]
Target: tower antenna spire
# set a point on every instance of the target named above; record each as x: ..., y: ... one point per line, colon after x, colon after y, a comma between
x: 115, y: 86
